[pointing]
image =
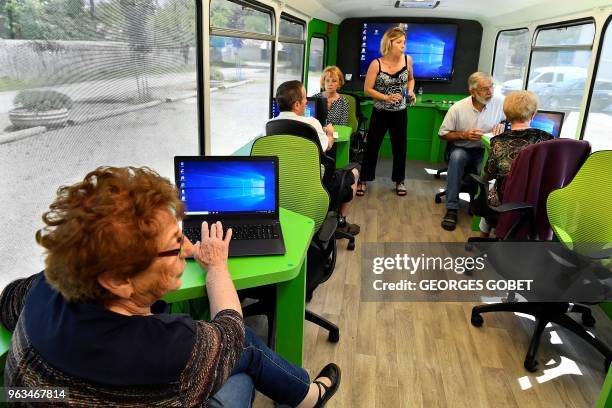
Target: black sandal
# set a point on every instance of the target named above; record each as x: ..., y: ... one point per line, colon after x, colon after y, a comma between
x: 449, y: 222
x: 361, y: 189
x: 400, y: 189
x: 331, y: 371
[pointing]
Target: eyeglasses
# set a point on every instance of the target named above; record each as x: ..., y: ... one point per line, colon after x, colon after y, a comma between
x: 486, y: 88
x: 174, y: 252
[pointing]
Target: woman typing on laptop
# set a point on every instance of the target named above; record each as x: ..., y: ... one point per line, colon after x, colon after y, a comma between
x: 93, y: 321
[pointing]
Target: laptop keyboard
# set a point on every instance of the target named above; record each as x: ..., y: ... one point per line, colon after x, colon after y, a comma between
x: 239, y: 232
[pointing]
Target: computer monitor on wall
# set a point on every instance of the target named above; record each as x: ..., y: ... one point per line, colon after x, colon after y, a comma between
x: 431, y: 46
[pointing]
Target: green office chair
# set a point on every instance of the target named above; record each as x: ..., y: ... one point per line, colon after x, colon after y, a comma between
x: 353, y: 117
x: 301, y: 191
x: 579, y: 214
x: 356, y: 121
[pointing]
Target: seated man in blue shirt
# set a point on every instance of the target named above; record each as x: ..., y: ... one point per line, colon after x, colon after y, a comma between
x: 464, y: 124
x: 291, y: 99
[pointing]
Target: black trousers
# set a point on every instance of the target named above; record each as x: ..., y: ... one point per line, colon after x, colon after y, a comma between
x: 381, y: 121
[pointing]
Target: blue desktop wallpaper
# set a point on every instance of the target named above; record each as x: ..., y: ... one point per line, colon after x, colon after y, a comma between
x: 311, y: 110
x: 431, y: 46
x: 227, y: 187
x: 548, y: 122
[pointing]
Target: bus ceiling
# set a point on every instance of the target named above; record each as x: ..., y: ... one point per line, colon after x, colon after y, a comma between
x: 494, y: 12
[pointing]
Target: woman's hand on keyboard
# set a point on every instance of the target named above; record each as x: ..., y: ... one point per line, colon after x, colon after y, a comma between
x: 211, y: 253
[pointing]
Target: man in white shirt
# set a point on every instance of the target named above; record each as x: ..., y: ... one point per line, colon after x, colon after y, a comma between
x: 464, y: 124
x: 291, y: 100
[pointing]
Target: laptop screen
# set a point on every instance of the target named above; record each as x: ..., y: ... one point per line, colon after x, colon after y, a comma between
x: 548, y: 121
x: 311, y: 108
x: 234, y: 185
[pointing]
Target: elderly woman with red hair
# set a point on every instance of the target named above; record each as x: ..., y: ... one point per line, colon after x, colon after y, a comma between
x: 332, y: 80
x: 94, y: 323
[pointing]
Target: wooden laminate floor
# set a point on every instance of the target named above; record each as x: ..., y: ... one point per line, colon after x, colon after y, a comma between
x: 409, y: 354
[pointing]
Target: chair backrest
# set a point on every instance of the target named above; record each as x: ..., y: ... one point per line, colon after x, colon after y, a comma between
x: 297, y: 128
x: 580, y: 212
x: 536, y: 171
x: 300, y: 184
x: 293, y: 127
x: 353, y: 111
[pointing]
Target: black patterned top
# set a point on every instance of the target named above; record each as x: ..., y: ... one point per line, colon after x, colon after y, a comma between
x: 504, y: 149
x: 391, y: 84
x: 337, y: 113
x: 108, y: 359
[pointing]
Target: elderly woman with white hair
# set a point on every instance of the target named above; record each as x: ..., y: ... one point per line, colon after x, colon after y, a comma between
x: 519, y: 107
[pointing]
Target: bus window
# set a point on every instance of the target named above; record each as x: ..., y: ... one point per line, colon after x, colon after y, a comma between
x: 116, y: 82
x: 290, y: 51
x: 559, y: 62
x: 510, y: 62
x: 241, y: 39
x: 599, y: 120
x: 316, y: 63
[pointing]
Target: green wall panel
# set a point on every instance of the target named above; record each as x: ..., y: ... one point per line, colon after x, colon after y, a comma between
x: 319, y: 28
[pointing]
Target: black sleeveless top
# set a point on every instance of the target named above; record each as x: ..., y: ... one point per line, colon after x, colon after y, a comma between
x: 388, y: 84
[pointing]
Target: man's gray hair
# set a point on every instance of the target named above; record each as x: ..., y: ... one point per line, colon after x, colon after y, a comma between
x: 477, y: 76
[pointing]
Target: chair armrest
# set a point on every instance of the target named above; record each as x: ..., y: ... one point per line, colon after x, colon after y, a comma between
x: 478, y: 179
x: 327, y: 230
x: 603, y: 254
x: 514, y: 206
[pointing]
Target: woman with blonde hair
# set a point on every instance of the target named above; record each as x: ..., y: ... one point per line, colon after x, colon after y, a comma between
x: 337, y: 105
x: 387, y: 81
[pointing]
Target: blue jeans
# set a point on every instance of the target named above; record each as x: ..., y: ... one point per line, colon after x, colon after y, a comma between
x: 272, y: 375
x: 237, y: 392
x: 460, y: 159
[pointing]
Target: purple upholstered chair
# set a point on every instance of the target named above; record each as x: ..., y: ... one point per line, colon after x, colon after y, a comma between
x: 538, y: 170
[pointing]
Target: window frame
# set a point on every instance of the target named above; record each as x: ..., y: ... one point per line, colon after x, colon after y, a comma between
x: 293, y: 19
x: 325, y: 42
x: 587, y: 108
x: 200, y: 73
x: 495, y: 48
x: 228, y: 32
x: 568, y: 23
x: 231, y: 32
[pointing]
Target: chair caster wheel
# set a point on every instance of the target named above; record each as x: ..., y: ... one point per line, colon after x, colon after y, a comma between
x: 531, y: 365
x: 334, y: 336
x: 438, y: 200
x: 588, y: 320
x: 477, y: 320
x: 350, y: 246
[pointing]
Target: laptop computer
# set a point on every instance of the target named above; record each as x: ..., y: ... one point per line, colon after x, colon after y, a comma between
x: 239, y: 191
x: 549, y: 121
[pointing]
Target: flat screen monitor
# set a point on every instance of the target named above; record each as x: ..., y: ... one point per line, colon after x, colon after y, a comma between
x: 311, y: 108
x: 548, y: 121
x: 315, y: 108
x: 431, y: 46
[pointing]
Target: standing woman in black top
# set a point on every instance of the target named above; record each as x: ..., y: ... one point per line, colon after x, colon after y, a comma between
x: 386, y: 82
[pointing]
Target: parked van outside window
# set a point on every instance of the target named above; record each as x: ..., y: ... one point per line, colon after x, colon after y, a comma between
x: 545, y: 78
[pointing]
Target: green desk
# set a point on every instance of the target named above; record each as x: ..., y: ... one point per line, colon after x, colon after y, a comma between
x: 343, y: 144
x: 424, y: 120
x: 287, y: 271
x: 486, y: 141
